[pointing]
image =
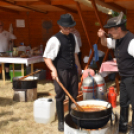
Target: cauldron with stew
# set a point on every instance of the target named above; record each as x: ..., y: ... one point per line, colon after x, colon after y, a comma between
x: 96, y: 114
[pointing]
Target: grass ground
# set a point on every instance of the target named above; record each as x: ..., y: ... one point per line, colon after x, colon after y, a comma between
x: 17, y: 117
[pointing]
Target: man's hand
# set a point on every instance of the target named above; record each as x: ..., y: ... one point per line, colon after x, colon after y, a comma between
x: 101, y: 33
x: 54, y: 74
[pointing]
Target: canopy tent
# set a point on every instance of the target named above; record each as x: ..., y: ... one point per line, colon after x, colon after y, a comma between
x: 72, y: 6
x: 44, y: 6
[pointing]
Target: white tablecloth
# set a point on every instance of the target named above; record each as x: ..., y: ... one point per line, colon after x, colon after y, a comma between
x: 27, y: 61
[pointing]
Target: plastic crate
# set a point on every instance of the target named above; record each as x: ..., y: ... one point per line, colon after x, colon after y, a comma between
x: 16, y: 66
x: 17, y: 73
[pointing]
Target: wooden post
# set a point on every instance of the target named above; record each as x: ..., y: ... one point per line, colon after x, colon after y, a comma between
x: 90, y: 58
x: 97, y: 13
x: 106, y: 56
x: 83, y: 24
x: 91, y: 47
x: 3, y: 73
x: 22, y: 69
x: 13, y: 69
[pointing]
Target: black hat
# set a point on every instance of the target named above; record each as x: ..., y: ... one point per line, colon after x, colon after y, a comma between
x: 115, y: 21
x: 66, y: 20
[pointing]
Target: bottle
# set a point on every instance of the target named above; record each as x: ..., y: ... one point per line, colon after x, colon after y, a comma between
x: 22, y: 43
x: 11, y: 44
x: 41, y: 49
x: 15, y: 51
x: 112, y: 95
x: 22, y: 47
x: 28, y: 53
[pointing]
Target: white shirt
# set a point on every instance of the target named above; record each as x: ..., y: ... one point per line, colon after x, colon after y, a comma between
x: 111, y: 45
x: 53, y: 46
x: 5, y: 37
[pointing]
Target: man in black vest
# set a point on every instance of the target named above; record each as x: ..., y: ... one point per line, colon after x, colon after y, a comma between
x: 123, y: 42
x: 60, y: 56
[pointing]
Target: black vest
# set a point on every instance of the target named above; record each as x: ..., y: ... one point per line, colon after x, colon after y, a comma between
x: 124, y: 60
x: 65, y: 58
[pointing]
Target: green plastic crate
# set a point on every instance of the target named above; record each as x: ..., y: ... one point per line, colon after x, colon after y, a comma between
x: 17, y: 73
x: 16, y: 66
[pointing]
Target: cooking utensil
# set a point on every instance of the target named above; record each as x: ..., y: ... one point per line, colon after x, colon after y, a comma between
x: 22, y: 83
x: 72, y: 99
x: 108, y: 104
x: 28, y: 83
x: 91, y: 120
x: 108, y: 35
x: 29, y: 75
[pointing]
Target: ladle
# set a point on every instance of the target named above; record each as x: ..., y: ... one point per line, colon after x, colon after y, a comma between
x: 29, y: 75
x: 108, y: 35
x: 107, y: 104
x: 72, y: 99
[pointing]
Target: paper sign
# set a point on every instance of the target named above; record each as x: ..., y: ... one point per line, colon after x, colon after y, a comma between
x: 20, y: 23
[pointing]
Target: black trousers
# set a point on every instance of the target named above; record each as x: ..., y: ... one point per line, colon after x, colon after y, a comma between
x: 127, y: 91
x: 69, y: 79
x: 7, y: 65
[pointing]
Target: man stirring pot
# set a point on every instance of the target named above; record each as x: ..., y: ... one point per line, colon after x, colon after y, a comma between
x: 123, y: 42
x: 60, y: 56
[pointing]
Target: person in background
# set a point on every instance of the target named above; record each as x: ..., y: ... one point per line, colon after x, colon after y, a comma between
x: 123, y: 42
x: 5, y: 39
x: 60, y: 56
x: 78, y: 38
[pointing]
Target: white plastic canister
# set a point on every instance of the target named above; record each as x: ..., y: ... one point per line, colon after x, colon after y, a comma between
x: 44, y: 110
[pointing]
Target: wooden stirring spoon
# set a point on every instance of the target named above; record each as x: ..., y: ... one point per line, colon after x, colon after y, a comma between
x: 29, y: 75
x: 72, y: 99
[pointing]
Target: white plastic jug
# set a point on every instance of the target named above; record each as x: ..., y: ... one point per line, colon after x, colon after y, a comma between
x: 44, y: 110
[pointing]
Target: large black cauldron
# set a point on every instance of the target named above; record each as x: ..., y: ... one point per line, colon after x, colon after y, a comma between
x: 91, y: 120
x: 27, y: 83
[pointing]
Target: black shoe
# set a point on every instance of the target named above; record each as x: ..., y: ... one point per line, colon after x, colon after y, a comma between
x: 123, y: 120
x: 132, y: 128
x: 60, y: 113
x: 123, y: 128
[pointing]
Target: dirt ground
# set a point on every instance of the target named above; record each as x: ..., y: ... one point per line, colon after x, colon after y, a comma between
x: 17, y: 117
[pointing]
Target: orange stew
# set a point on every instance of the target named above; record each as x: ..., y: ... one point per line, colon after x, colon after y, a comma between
x: 92, y: 108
